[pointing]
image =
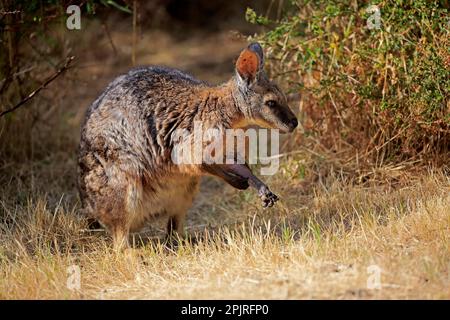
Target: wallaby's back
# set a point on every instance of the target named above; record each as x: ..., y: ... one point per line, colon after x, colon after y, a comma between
x: 130, y: 118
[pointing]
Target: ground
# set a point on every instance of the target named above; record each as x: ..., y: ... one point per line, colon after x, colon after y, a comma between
x: 328, y: 237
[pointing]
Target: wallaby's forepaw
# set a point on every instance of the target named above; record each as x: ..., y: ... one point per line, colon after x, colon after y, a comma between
x: 268, y: 197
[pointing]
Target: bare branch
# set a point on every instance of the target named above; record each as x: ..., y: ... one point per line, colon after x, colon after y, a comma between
x: 42, y: 86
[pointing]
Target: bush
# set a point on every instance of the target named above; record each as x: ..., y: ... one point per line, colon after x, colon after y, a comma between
x: 383, y: 91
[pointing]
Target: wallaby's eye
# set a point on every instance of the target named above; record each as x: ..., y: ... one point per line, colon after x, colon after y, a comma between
x: 271, y: 103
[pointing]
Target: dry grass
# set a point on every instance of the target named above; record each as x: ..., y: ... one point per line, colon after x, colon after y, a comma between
x: 317, y: 242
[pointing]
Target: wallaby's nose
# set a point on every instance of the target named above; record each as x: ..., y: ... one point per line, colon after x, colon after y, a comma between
x: 293, y: 124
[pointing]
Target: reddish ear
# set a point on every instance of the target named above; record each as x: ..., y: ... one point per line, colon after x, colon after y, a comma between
x: 247, y: 65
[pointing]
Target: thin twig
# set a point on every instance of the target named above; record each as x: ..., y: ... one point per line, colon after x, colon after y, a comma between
x: 337, y: 110
x: 280, y: 8
x: 269, y: 8
x: 106, y: 29
x: 42, y: 86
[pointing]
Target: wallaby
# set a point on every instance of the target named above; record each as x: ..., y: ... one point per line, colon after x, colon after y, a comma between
x: 126, y: 173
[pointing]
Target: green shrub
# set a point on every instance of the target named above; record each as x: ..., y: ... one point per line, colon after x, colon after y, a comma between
x: 381, y: 90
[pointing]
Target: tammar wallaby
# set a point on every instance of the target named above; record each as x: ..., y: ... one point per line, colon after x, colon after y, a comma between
x: 126, y: 174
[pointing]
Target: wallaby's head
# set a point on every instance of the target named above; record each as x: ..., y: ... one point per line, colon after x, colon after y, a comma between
x: 260, y: 100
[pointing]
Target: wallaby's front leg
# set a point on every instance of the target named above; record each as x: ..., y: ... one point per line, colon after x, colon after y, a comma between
x: 268, y: 197
x: 223, y: 171
x: 240, y: 176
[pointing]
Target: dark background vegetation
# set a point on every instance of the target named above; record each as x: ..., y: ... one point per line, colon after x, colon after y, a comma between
x: 382, y: 92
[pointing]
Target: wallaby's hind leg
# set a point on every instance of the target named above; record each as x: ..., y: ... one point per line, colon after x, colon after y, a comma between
x: 114, y: 218
x: 104, y: 200
x: 175, y: 226
x: 177, y: 212
x: 175, y: 230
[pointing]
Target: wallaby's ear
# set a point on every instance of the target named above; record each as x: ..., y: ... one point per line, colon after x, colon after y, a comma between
x: 250, y: 62
x: 256, y: 48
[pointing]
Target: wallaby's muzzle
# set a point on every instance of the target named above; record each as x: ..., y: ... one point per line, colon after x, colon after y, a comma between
x: 279, y: 117
x: 293, y: 124
x: 291, y: 121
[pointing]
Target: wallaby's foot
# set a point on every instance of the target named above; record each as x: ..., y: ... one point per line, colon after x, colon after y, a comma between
x: 268, y: 197
x: 172, y: 242
x: 175, y: 241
